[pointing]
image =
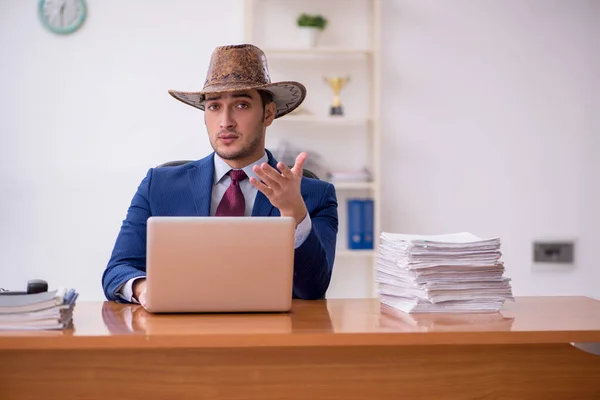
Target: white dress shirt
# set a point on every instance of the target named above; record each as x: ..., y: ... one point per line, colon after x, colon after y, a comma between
x: 221, y: 183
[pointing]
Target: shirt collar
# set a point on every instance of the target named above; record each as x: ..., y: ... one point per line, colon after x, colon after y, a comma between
x: 222, y: 168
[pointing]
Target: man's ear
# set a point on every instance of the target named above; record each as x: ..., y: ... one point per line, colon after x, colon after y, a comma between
x: 270, y: 113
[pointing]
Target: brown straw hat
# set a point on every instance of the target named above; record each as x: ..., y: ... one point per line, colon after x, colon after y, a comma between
x: 242, y: 67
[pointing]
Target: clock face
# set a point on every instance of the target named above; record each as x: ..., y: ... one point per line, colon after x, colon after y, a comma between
x: 62, y: 16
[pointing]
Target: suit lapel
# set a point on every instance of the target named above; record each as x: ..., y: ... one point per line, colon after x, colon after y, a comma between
x: 201, y: 177
x: 262, y: 205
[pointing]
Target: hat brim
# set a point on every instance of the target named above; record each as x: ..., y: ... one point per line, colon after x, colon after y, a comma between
x: 287, y: 95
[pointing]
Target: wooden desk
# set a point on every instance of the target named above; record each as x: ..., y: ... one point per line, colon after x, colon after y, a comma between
x: 334, y: 349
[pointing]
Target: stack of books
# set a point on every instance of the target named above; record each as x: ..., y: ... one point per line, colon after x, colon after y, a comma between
x: 443, y: 273
x: 38, y: 311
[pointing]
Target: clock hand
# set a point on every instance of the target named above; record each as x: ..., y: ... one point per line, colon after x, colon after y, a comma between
x: 62, y: 11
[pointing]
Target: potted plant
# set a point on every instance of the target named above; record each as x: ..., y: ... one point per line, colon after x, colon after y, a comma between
x: 311, y: 25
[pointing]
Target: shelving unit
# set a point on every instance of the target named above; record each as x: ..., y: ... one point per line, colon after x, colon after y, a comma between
x: 324, y: 51
x: 342, y: 121
x: 355, y: 253
x: 349, y: 46
x: 355, y: 185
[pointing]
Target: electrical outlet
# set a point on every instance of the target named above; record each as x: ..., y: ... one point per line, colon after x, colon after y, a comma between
x: 553, y: 252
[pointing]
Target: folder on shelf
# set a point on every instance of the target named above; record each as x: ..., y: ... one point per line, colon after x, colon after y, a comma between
x: 354, y: 224
x: 368, y: 224
x: 360, y: 224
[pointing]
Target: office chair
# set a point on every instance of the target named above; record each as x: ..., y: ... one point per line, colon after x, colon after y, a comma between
x: 305, y: 172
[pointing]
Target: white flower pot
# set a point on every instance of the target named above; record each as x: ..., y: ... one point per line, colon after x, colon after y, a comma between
x: 310, y: 36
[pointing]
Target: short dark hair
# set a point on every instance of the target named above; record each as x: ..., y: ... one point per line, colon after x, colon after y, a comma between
x: 265, y: 96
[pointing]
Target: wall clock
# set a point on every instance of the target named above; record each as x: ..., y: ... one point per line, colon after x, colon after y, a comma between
x: 62, y: 16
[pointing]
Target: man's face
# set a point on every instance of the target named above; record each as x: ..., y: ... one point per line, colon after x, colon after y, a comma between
x: 236, y: 124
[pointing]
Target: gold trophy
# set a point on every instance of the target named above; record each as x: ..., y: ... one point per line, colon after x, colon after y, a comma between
x: 336, y: 83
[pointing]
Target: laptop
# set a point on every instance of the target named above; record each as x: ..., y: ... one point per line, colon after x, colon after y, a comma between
x: 219, y: 264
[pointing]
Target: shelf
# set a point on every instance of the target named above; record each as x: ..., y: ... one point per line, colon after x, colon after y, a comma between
x: 354, y: 253
x: 352, y: 47
x: 317, y: 51
x: 353, y: 185
x: 313, y: 119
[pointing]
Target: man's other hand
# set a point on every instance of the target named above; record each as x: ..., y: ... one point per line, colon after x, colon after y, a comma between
x: 139, y: 291
x: 283, y: 188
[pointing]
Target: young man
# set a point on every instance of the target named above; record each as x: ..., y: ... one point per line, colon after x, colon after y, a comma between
x: 239, y: 178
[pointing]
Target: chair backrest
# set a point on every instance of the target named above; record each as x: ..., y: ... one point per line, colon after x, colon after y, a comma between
x: 175, y: 163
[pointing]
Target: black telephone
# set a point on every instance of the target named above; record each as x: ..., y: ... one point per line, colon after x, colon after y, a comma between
x: 33, y: 286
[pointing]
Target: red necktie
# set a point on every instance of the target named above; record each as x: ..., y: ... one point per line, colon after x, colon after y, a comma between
x: 233, y: 204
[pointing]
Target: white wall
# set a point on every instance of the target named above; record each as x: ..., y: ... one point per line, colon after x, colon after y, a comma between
x: 488, y: 116
x: 84, y: 116
x: 591, y: 210
x: 488, y: 121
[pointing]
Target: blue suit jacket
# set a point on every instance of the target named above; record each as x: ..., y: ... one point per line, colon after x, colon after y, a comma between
x: 186, y: 191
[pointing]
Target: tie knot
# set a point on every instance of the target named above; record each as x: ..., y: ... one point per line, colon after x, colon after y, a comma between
x: 237, y: 175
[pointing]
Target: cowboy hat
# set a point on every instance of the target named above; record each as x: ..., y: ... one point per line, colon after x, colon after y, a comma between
x: 243, y: 67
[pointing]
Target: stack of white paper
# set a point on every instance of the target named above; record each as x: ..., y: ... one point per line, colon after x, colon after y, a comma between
x: 46, y: 310
x: 442, y: 273
x: 361, y: 175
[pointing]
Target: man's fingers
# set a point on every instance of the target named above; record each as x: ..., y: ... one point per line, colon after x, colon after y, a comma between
x: 143, y: 298
x: 272, y: 173
x: 268, y: 175
x: 264, y: 189
x: 285, y: 171
x: 297, y: 169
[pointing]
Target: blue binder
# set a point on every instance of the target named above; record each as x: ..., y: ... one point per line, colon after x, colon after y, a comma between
x: 355, y: 224
x: 360, y: 224
x: 367, y: 222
